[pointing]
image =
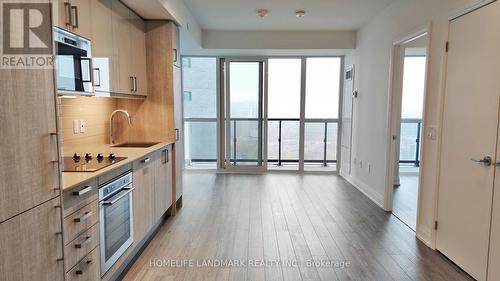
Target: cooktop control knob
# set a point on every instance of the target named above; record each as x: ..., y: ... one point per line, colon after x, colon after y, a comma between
x: 100, y: 156
x: 88, y: 156
x: 76, y: 156
x: 112, y: 156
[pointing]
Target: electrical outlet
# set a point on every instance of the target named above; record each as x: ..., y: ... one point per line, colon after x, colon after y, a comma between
x: 76, y: 127
x: 82, y: 126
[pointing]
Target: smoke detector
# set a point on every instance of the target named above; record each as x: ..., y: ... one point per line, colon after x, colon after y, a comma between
x: 300, y: 13
x: 262, y: 12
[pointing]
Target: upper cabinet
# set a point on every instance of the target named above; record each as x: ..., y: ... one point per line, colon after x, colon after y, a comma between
x: 75, y: 16
x: 118, y: 43
x: 176, y: 48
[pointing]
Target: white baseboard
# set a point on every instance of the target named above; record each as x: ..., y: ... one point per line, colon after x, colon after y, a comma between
x: 375, y: 197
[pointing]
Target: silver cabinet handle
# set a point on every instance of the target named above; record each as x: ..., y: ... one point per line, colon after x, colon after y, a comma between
x: 175, y: 55
x: 67, y: 12
x: 135, y: 84
x: 165, y: 154
x: 86, y: 189
x: 132, y: 83
x: 146, y: 160
x: 80, y: 271
x: 177, y: 137
x: 487, y: 161
x: 87, y: 240
x: 75, y: 9
x: 85, y: 217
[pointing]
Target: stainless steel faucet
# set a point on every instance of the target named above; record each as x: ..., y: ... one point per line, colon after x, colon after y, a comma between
x: 112, y: 136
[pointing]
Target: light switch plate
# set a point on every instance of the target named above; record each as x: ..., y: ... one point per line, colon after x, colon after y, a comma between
x: 76, y: 127
x: 431, y: 133
x: 82, y: 126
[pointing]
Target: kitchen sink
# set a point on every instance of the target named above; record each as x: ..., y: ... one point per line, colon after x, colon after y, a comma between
x: 136, y: 144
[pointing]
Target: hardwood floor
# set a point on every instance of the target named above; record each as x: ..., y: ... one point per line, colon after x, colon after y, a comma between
x: 294, y: 219
x: 405, y: 199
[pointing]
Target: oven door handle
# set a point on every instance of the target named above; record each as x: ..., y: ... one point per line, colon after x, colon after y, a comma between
x: 128, y: 189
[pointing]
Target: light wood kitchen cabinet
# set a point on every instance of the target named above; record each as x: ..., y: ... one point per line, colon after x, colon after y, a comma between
x: 138, y: 37
x: 29, y: 172
x: 144, y: 171
x: 75, y: 16
x: 103, y: 55
x: 122, y: 47
x: 31, y: 245
x: 163, y: 183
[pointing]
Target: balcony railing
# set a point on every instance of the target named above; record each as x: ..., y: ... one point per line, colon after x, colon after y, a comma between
x: 410, y: 141
x: 322, y: 144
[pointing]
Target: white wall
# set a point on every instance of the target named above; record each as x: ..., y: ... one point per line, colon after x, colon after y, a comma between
x: 372, y: 58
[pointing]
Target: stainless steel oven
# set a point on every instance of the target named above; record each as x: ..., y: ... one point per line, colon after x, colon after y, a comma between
x: 116, y: 219
x: 73, y: 62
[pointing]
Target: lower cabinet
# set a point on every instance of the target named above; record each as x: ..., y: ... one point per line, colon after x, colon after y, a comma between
x: 153, y: 190
x: 143, y: 197
x: 31, y: 245
x: 163, y: 183
x: 87, y: 269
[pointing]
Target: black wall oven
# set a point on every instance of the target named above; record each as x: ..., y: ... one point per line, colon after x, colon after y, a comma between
x: 73, y: 63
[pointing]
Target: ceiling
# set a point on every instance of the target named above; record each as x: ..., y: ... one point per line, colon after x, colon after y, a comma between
x: 321, y: 14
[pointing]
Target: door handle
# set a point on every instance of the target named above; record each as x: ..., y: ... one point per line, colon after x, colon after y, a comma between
x: 86, y: 189
x: 177, y: 137
x: 132, y: 84
x: 487, y: 161
x: 85, y: 217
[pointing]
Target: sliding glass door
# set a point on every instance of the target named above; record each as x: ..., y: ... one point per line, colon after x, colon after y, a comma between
x: 243, y: 115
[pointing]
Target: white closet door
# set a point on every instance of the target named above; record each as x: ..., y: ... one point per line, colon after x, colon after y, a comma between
x: 469, y: 132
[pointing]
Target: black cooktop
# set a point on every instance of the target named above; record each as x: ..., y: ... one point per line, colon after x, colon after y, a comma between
x: 89, y: 165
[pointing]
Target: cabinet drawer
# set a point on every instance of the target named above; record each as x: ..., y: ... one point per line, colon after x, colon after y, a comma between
x: 145, y: 161
x: 87, y: 269
x: 80, y: 220
x: 77, y: 197
x: 81, y: 246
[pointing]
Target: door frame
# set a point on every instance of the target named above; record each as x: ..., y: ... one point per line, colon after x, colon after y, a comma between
x: 394, y: 115
x: 225, y: 112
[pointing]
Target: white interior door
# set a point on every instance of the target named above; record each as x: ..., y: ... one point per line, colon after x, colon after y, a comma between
x: 469, y: 132
x: 347, y: 110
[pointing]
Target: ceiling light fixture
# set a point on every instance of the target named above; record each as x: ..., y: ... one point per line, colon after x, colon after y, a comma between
x: 300, y: 13
x: 262, y: 12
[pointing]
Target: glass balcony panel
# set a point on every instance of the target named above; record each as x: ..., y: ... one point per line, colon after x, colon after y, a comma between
x: 200, y: 142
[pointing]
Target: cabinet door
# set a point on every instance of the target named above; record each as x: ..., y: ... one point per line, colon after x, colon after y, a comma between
x: 138, y: 36
x: 143, y: 196
x: 179, y: 143
x: 29, y: 173
x: 163, y: 184
x: 81, y: 17
x: 103, y: 56
x: 122, y: 47
x: 31, y: 246
x: 176, y: 48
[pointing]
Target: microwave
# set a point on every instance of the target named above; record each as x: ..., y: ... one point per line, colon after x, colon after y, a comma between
x: 73, y: 63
